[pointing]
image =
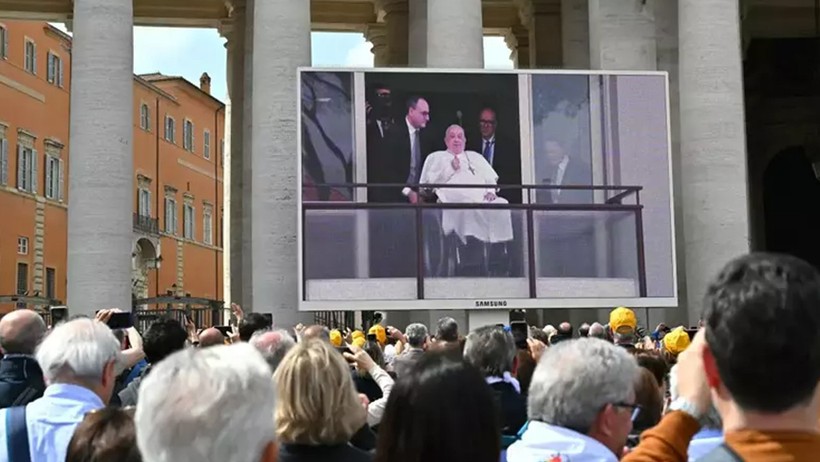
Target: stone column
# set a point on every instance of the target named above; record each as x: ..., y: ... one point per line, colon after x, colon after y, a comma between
x: 417, y: 33
x: 397, y: 28
x: 713, y: 142
x: 575, y: 33
x: 543, y: 20
x: 455, y: 37
x: 622, y: 34
x: 247, y: 153
x: 101, y: 184
x: 234, y: 168
x: 377, y: 35
x: 518, y: 40
x: 281, y: 43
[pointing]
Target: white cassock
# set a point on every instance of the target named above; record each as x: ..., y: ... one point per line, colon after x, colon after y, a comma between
x: 488, y: 225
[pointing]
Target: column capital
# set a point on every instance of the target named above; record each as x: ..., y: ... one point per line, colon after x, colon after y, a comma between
x: 376, y: 34
x: 527, y: 9
x: 384, y: 8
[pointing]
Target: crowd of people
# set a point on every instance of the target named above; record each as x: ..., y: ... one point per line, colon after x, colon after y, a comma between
x: 743, y: 386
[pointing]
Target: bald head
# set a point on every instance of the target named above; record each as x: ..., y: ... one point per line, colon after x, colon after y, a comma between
x: 21, y: 332
x: 316, y: 331
x: 596, y: 330
x: 210, y: 337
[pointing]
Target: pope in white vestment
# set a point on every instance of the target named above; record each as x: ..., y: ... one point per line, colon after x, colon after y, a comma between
x: 457, y: 166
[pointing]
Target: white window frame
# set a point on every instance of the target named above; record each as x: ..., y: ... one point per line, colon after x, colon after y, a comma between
x: 54, y: 178
x: 145, y: 117
x: 170, y: 129
x: 188, y: 220
x: 4, y: 42
x: 144, y: 202
x: 30, y: 62
x: 188, y: 135
x: 207, y: 227
x: 171, y: 215
x: 206, y: 142
x: 54, y: 73
x: 26, y: 169
x: 22, y: 245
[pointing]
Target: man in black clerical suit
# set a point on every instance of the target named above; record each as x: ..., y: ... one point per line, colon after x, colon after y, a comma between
x: 503, y: 154
x: 380, y: 120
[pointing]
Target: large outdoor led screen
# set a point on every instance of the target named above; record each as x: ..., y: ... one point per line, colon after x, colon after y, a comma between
x: 430, y: 189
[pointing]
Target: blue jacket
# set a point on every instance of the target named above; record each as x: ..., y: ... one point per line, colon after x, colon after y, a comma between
x: 19, y: 374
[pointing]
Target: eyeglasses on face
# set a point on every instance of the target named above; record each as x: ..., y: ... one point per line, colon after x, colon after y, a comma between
x: 636, y: 409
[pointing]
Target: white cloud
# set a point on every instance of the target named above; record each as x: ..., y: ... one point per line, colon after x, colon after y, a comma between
x: 360, y: 55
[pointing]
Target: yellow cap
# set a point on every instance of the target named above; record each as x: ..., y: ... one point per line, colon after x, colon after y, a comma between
x: 357, y: 334
x: 381, y: 334
x: 676, y: 341
x: 622, y: 320
x: 359, y: 342
x: 335, y: 338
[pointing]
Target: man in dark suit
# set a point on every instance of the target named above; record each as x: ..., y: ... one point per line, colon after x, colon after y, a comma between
x: 398, y: 160
x: 379, y: 122
x: 407, y: 149
x: 503, y: 154
x: 564, y: 170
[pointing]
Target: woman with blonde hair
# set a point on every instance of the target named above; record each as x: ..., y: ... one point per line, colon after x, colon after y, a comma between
x: 317, y: 408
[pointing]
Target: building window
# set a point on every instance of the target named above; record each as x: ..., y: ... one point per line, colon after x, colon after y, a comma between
x: 4, y: 43
x: 51, y: 283
x: 170, y: 129
x: 144, y: 202
x: 54, y: 178
x: 22, y: 278
x: 188, y: 222
x: 222, y: 151
x: 22, y: 245
x: 55, y: 70
x: 4, y: 162
x: 170, y: 216
x: 207, y: 227
x: 31, y: 57
x: 26, y: 169
x: 206, y: 140
x: 188, y: 136
x: 145, y: 118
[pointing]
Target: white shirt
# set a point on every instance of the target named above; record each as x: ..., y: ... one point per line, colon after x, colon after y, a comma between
x: 559, y: 178
x: 411, y: 130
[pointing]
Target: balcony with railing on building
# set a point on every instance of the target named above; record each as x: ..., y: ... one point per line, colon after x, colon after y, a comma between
x: 146, y: 224
x: 561, y: 242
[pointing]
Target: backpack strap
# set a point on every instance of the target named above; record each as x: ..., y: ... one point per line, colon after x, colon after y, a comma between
x: 722, y: 453
x: 17, y: 434
x: 28, y: 395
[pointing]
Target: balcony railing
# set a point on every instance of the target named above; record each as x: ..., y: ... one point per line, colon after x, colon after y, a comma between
x: 353, y: 250
x: 145, y: 224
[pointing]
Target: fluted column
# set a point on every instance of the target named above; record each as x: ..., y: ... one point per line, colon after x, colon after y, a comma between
x: 234, y: 31
x: 455, y: 36
x: 713, y: 141
x: 101, y: 184
x: 281, y: 43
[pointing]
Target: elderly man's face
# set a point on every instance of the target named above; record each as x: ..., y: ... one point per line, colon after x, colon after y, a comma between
x: 455, y: 140
x: 419, y: 115
x: 487, y: 123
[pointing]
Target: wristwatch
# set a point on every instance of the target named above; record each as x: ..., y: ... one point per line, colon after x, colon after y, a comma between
x: 686, y: 406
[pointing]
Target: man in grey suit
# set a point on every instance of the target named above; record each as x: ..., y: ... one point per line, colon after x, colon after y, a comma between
x: 417, y: 340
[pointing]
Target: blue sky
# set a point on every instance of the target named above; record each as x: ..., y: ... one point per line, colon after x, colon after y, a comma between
x: 190, y: 52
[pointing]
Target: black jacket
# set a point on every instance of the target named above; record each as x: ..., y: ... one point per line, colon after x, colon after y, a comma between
x: 389, y: 162
x: 513, y: 408
x: 339, y: 453
x: 21, y: 380
x: 506, y: 163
